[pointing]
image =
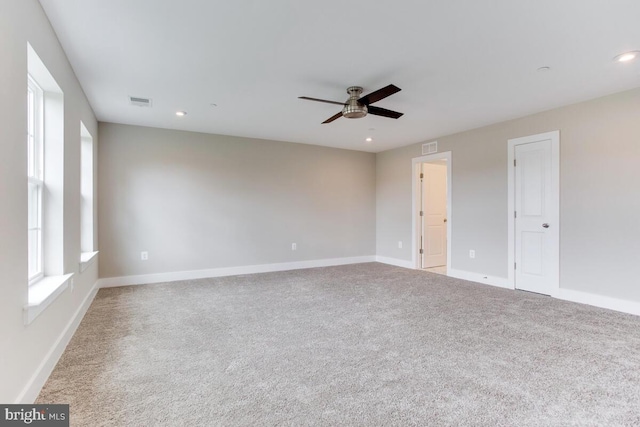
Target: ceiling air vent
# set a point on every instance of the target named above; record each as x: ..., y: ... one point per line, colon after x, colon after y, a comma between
x: 140, y: 102
x: 430, y: 147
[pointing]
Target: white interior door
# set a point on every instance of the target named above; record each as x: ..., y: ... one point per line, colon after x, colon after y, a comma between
x: 434, y: 215
x: 536, y: 213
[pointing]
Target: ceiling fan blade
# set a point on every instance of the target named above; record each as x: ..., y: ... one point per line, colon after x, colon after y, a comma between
x: 377, y: 111
x: 332, y: 118
x: 321, y: 100
x: 379, y: 94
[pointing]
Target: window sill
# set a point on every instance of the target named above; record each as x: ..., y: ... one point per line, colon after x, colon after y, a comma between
x: 86, y: 259
x: 43, y: 293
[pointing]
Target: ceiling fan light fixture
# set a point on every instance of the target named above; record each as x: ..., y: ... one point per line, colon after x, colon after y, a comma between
x: 351, y: 111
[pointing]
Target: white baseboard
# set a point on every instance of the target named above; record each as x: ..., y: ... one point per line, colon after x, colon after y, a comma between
x: 143, y: 279
x: 501, y: 282
x: 394, y: 261
x: 624, y: 306
x: 30, y: 392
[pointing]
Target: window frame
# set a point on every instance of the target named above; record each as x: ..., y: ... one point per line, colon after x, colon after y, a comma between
x: 86, y: 192
x: 35, y: 176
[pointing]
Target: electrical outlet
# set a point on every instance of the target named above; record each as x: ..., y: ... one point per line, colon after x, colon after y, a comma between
x: 472, y: 253
x: 144, y: 255
x: 294, y: 246
x: 400, y: 244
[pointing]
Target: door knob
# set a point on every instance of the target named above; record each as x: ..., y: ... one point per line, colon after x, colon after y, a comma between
x: 445, y: 220
x: 545, y: 225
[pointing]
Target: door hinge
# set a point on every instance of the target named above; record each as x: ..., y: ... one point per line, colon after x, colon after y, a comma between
x: 514, y: 163
x: 421, y: 175
x: 515, y: 214
x: 421, y: 251
x: 421, y: 213
x: 515, y: 266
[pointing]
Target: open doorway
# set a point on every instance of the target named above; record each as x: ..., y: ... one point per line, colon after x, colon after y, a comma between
x: 432, y: 212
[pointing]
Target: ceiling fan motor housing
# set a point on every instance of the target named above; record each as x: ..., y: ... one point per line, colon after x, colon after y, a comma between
x: 353, y: 109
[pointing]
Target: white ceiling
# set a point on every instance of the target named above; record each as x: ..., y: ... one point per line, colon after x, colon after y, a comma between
x: 460, y: 64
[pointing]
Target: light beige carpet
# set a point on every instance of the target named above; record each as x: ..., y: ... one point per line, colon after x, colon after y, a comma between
x: 365, y: 344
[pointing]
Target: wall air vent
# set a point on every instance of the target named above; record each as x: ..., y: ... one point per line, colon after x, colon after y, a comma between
x: 140, y: 102
x: 430, y: 147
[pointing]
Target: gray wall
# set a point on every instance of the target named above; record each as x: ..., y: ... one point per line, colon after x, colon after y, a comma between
x: 196, y: 201
x: 23, y: 348
x: 599, y: 191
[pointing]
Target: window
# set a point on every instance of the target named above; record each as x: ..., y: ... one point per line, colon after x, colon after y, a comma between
x: 45, y: 188
x: 35, y: 150
x: 86, y: 198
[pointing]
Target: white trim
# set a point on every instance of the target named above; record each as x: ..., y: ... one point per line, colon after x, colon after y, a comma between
x: 601, y: 301
x: 415, y: 247
x: 43, y: 293
x: 484, y: 279
x: 39, y: 72
x: 394, y: 261
x: 555, y: 183
x: 30, y: 392
x: 86, y: 259
x: 143, y: 279
x: 624, y: 306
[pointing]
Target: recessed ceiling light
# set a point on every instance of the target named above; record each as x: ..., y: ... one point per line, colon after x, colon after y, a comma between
x: 544, y: 69
x: 181, y: 113
x: 369, y: 139
x: 627, y: 56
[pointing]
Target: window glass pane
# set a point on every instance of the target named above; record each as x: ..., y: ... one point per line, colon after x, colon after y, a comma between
x: 30, y: 112
x: 86, y: 190
x: 31, y: 153
x: 35, y: 188
x: 34, y: 253
x: 30, y: 131
x: 33, y: 206
x: 35, y: 232
x: 32, y: 210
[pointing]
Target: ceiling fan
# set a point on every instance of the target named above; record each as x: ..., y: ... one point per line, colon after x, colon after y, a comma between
x: 357, y: 107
